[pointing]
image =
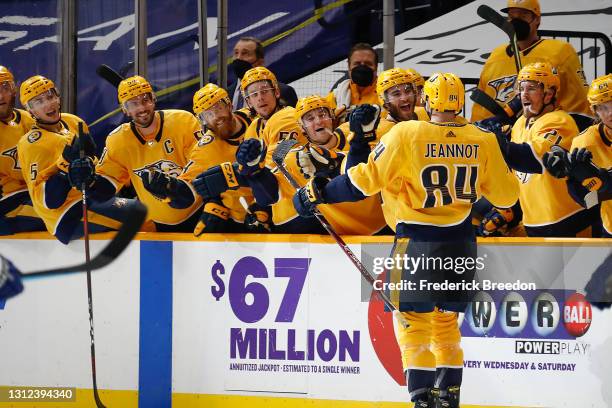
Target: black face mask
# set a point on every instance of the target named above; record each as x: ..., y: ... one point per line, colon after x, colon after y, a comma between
x: 521, y: 28
x: 362, y: 75
x: 240, y: 67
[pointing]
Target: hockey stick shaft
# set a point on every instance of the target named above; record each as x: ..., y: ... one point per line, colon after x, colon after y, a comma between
x: 99, y: 403
x: 279, y: 161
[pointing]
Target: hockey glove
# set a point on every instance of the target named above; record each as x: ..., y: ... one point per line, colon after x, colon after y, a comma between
x: 586, y: 180
x: 213, y: 219
x: 317, y: 161
x: 216, y: 180
x: 494, y: 220
x: 10, y: 279
x: 308, y: 197
x: 73, y: 151
x: 81, y: 171
x: 556, y: 162
x: 363, y: 122
x: 159, y: 184
x: 251, y: 156
x: 257, y: 219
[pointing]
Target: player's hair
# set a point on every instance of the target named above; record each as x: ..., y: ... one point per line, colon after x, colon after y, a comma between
x: 259, y: 48
x: 362, y: 46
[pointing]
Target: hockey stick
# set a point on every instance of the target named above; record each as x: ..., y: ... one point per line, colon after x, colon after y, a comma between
x: 493, y: 17
x: 109, y: 74
x: 134, y: 219
x: 278, y: 157
x: 99, y: 403
x: 483, y: 99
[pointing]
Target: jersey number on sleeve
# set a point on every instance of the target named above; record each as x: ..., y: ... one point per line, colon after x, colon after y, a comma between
x: 33, y: 171
x: 435, y: 178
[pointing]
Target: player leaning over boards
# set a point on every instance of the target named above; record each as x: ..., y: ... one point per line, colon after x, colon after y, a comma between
x: 273, y: 123
x: 442, y: 167
x: 548, y: 211
x: 44, y: 155
x: 321, y: 156
x: 152, y: 140
x: 499, y: 72
x: 222, y: 131
x: 594, y: 143
x: 16, y: 211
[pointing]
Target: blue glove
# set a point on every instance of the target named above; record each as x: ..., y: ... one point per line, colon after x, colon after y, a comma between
x: 258, y: 219
x: 556, y: 162
x: 251, y: 155
x: 318, y: 161
x: 494, y: 220
x: 308, y: 197
x: 81, y: 171
x: 216, y: 180
x: 73, y: 151
x: 214, y: 218
x: 10, y: 279
x: 363, y: 122
x: 159, y: 184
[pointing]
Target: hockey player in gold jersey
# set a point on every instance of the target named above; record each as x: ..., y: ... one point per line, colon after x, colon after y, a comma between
x: 45, y: 154
x: 441, y: 168
x: 320, y: 156
x: 594, y: 144
x: 16, y: 211
x: 547, y: 209
x: 222, y: 131
x: 153, y: 140
x: 499, y: 72
x: 272, y: 124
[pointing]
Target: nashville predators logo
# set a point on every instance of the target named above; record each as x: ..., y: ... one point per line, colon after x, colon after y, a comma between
x: 504, y: 87
x: 206, y: 139
x: 165, y: 166
x: 34, y: 136
x: 12, y: 153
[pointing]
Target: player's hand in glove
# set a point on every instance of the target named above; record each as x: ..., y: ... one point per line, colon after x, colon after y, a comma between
x: 317, y: 161
x: 363, y: 122
x: 10, y: 279
x: 73, y: 151
x: 556, y: 162
x: 159, y: 184
x: 251, y: 155
x: 258, y: 219
x: 308, y: 197
x: 494, y: 220
x: 81, y: 172
x: 214, y: 218
x: 216, y: 180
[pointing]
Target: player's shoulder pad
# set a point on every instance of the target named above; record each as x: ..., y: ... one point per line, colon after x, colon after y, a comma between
x: 121, y: 127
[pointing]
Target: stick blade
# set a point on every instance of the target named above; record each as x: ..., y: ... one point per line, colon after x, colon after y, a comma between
x: 281, y: 151
x: 110, y: 75
x: 489, y: 14
x: 135, y: 217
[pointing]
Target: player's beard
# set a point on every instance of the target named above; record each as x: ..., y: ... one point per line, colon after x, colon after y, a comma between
x: 223, y: 126
x: 144, y: 119
x: 6, y: 108
x: 400, y: 114
x: 322, y: 137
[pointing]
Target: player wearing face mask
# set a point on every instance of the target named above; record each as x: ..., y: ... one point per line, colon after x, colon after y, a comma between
x: 360, y: 87
x: 499, y: 72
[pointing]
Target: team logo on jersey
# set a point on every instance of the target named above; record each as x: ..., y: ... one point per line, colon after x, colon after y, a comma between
x: 206, y: 139
x: 165, y: 166
x: 34, y: 136
x: 12, y: 153
x: 504, y: 87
